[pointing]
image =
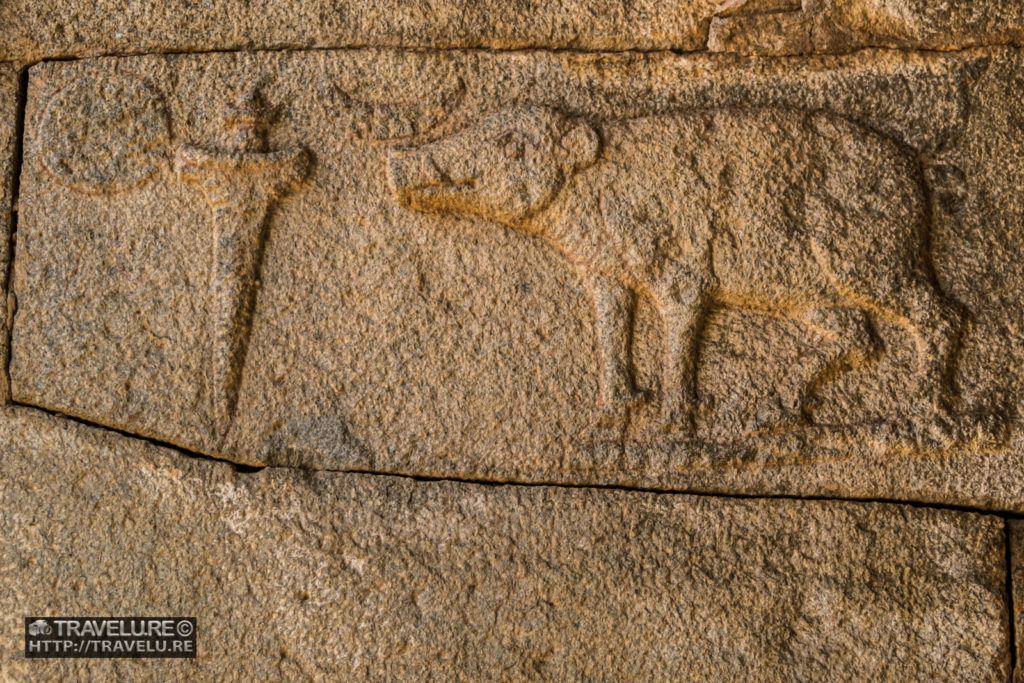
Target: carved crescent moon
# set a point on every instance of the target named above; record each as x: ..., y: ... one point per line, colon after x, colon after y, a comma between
x: 396, y: 120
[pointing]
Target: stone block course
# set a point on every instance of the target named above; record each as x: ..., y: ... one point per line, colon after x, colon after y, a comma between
x: 75, y: 28
x: 515, y: 339
x: 296, y: 575
x: 797, y: 276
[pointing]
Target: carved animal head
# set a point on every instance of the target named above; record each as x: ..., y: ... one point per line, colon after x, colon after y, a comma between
x: 505, y: 167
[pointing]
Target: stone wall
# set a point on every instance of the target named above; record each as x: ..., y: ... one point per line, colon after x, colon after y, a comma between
x: 516, y: 340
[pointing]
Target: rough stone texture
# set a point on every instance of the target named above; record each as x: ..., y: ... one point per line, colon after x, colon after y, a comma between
x: 356, y: 576
x: 781, y: 27
x: 1015, y: 533
x: 34, y: 31
x: 67, y: 28
x: 428, y: 263
x: 8, y: 141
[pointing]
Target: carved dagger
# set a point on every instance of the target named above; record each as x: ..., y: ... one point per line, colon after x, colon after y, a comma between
x: 241, y: 183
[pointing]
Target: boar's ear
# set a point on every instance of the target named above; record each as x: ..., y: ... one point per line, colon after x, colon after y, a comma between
x: 579, y: 146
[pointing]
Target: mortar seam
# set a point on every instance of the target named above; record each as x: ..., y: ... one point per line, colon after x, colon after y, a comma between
x: 17, y: 162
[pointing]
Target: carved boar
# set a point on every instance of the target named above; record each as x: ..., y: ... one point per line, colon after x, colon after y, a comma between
x: 794, y: 213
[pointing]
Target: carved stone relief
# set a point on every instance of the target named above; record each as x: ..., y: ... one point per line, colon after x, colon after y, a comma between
x: 104, y: 133
x: 839, y: 210
x: 240, y: 182
x: 666, y: 271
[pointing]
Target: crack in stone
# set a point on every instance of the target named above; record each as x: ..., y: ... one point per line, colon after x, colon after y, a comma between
x: 709, y: 493
x: 23, y: 65
x: 8, y: 304
x: 1011, y: 628
x: 239, y: 467
x: 17, y: 164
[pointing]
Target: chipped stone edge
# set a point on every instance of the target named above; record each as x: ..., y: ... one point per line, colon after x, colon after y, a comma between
x: 1015, y: 569
x: 9, y: 100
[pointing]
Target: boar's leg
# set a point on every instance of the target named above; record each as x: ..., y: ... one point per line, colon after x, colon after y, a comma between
x: 614, y: 307
x: 684, y: 318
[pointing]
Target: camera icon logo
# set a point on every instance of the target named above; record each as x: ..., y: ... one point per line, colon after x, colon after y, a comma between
x: 40, y: 627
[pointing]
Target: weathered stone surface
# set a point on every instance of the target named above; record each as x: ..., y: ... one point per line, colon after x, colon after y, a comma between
x: 784, y: 28
x: 8, y: 142
x: 799, y: 276
x: 35, y: 31
x: 79, y: 28
x: 1015, y: 532
x: 307, y: 575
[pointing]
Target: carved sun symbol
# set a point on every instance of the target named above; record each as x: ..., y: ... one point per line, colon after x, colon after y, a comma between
x: 104, y: 134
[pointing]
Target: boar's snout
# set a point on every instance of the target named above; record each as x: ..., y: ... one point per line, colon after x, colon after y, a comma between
x: 506, y: 167
x: 423, y: 177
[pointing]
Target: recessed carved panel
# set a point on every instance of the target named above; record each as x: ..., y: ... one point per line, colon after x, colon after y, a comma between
x: 657, y: 270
